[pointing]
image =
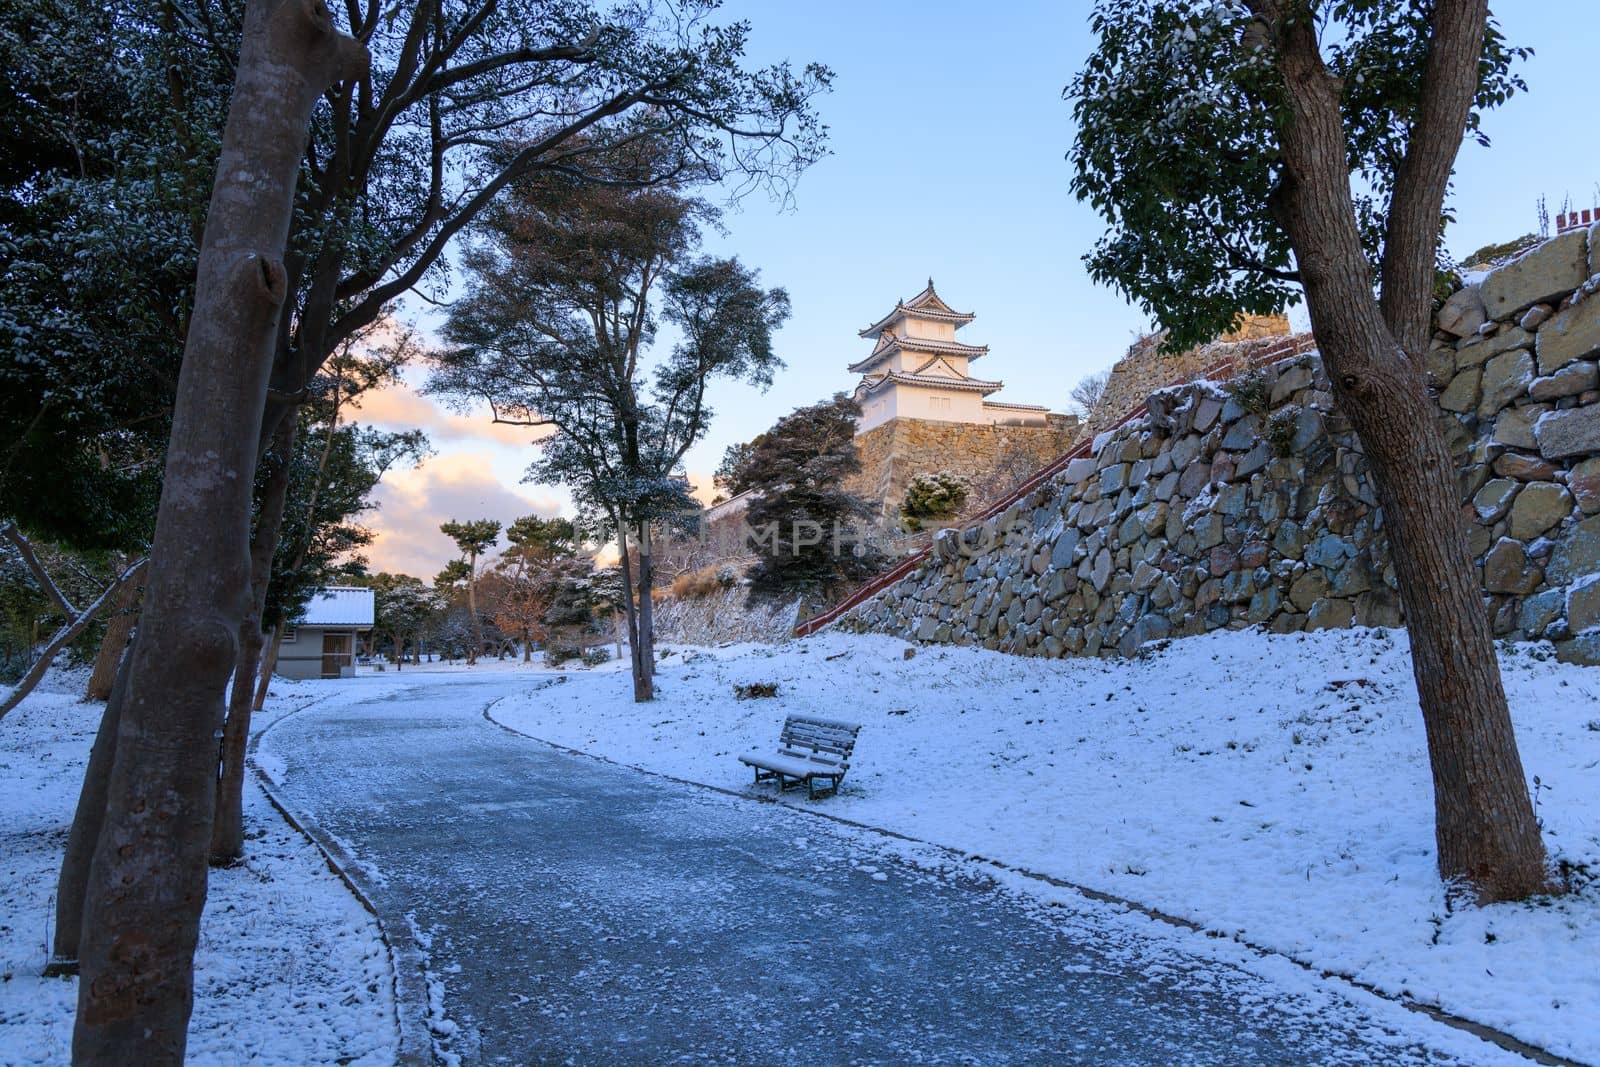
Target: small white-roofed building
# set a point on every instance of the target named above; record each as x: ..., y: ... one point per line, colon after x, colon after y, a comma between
x: 321, y: 641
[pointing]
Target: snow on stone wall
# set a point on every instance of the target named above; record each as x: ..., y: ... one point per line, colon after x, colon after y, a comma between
x: 1249, y: 503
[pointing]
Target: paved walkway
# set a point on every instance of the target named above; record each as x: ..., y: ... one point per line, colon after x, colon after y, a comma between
x: 578, y: 912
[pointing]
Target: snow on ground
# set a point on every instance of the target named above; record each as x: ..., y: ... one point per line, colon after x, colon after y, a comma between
x: 290, y: 968
x: 1270, y: 787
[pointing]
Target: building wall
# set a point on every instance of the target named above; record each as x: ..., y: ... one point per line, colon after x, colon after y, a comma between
x: 302, y: 657
x: 1249, y: 502
x: 915, y: 402
x: 895, y: 452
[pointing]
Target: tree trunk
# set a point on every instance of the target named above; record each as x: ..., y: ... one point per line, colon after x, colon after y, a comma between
x: 642, y: 688
x: 476, y: 648
x: 147, y: 881
x: 1484, y: 823
x: 227, y: 826
x: 269, y: 663
x: 119, y: 627
x: 73, y: 881
x: 647, y: 624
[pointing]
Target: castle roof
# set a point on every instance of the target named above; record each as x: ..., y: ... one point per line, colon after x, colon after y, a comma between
x: 1014, y: 407
x: 873, y: 382
x: 890, y: 343
x: 925, y: 305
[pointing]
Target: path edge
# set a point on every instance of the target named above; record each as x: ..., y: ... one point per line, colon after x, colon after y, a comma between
x: 1482, y: 1031
x: 407, y: 961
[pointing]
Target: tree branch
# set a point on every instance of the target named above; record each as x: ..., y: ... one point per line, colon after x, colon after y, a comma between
x: 1416, y: 204
x: 47, y: 584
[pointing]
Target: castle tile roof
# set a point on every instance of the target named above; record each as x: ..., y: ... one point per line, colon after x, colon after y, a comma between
x: 925, y: 305
x: 889, y: 343
x: 874, y: 382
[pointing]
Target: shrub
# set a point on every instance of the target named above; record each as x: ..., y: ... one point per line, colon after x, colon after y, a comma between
x: 1252, y: 392
x: 1280, y: 431
x: 707, y: 581
x: 755, y: 690
x: 934, y: 494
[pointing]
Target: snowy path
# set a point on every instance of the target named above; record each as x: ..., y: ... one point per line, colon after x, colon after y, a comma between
x: 574, y: 910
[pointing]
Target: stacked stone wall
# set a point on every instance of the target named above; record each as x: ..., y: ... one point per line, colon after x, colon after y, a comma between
x: 1146, y: 368
x: 1249, y: 502
x: 990, y: 459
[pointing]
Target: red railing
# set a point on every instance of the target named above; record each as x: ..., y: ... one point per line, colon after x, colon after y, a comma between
x: 1221, y: 370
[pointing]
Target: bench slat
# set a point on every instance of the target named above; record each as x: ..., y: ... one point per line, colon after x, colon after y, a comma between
x: 808, y: 749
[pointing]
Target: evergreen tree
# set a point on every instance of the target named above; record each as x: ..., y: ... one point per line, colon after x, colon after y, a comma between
x: 473, y: 537
x: 556, y: 329
x: 809, y: 532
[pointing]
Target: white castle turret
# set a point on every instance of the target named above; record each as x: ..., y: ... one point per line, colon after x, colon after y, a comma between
x: 918, y: 370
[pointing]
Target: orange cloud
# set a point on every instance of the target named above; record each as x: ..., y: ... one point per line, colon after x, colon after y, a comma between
x: 402, y: 407
x: 457, y: 485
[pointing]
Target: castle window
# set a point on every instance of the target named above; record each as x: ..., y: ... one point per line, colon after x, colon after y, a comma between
x: 939, y: 403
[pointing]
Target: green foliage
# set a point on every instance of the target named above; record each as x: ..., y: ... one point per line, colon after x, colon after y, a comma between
x: 455, y: 575
x: 473, y: 537
x: 934, y: 494
x: 1281, y: 429
x: 533, y: 536
x: 403, y: 608
x: 1252, y: 390
x: 558, y: 326
x: 1505, y: 250
x: 1177, y: 111
x: 798, y: 470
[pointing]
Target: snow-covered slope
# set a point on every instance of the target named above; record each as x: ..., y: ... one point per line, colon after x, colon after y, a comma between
x: 1270, y: 787
x: 290, y: 968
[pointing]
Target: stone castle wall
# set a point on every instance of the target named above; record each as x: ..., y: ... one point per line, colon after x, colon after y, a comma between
x: 1146, y: 368
x: 991, y: 459
x: 1249, y: 503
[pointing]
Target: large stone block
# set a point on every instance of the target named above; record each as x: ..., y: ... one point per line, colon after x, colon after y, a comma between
x: 1514, y: 427
x: 1505, y: 377
x: 1568, y: 433
x: 1573, y: 334
x: 1505, y: 568
x: 1584, y: 481
x: 1577, y: 553
x: 1583, y: 604
x: 1546, y: 273
x: 1571, y: 380
x: 1461, y: 395
x: 1539, y: 507
x: 1493, y: 500
x: 1464, y: 312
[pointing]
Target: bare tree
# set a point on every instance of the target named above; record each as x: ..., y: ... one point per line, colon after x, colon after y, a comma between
x: 1090, y: 388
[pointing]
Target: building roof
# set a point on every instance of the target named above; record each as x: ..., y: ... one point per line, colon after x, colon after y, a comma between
x: 889, y: 344
x: 1014, y: 407
x: 874, y: 382
x: 925, y: 305
x: 338, y: 605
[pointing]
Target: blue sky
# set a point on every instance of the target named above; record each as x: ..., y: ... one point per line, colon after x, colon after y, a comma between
x: 949, y: 134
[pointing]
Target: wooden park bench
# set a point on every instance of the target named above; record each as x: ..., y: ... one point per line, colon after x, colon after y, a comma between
x: 809, y: 751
